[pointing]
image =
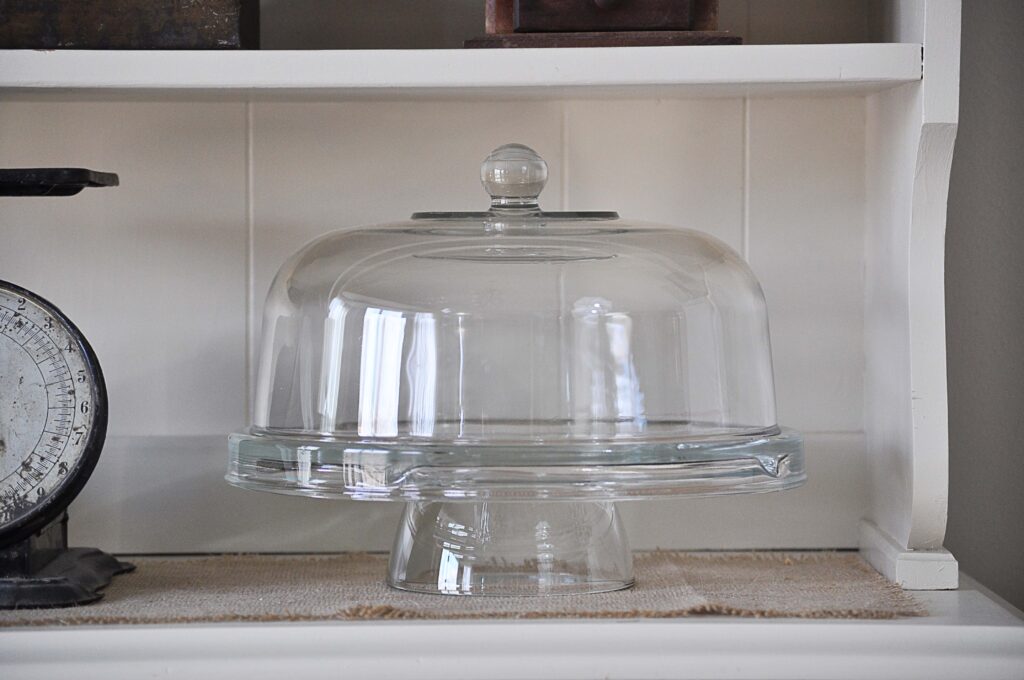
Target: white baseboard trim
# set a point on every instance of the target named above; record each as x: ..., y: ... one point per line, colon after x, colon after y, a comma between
x: 911, y: 569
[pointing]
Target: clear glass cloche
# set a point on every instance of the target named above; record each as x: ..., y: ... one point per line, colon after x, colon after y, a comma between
x: 510, y: 374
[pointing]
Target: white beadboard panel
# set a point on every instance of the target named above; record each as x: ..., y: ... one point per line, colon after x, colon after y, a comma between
x: 821, y: 514
x: 318, y: 167
x: 152, y: 271
x: 669, y: 161
x: 806, y: 245
x: 168, y: 495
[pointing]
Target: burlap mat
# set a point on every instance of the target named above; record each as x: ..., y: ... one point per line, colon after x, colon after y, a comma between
x: 351, y: 587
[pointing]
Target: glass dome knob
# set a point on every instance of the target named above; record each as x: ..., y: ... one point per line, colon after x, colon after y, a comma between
x: 514, y: 175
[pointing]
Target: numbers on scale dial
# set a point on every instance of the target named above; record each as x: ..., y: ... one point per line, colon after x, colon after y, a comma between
x: 44, y: 423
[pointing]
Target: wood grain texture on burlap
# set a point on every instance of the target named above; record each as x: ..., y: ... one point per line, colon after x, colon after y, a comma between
x: 351, y: 587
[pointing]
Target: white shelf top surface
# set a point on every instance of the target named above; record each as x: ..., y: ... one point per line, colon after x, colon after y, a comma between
x: 688, y: 71
x: 968, y: 633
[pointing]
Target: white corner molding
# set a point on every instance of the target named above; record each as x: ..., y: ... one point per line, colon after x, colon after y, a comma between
x: 910, y: 134
x: 912, y: 569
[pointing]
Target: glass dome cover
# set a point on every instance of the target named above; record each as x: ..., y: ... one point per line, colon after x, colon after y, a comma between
x: 515, y: 354
x: 466, y: 362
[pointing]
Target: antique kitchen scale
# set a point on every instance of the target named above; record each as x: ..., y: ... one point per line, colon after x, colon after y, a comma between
x: 510, y: 375
x: 53, y: 421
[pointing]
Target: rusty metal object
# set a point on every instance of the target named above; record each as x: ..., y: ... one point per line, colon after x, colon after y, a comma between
x: 498, y: 17
x: 704, y: 15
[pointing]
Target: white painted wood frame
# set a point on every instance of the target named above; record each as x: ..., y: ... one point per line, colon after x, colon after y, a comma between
x: 910, y: 136
x: 230, y: 161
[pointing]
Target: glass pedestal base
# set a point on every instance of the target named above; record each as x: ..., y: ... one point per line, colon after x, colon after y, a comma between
x: 529, y: 518
x: 567, y: 471
x: 510, y: 549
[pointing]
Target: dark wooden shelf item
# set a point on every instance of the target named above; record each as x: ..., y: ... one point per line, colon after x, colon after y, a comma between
x: 605, y: 39
x: 129, y: 24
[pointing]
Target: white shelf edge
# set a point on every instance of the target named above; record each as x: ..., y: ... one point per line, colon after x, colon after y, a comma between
x: 967, y: 634
x: 725, y: 69
x: 521, y: 649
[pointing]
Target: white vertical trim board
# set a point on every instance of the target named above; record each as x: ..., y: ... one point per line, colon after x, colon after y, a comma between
x: 910, y: 136
x: 564, y: 195
x: 252, y: 311
x: 745, y: 135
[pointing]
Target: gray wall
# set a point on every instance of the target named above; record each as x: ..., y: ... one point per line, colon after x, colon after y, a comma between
x: 985, y: 302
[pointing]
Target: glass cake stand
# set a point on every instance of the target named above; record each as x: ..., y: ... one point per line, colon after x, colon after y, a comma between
x: 510, y: 375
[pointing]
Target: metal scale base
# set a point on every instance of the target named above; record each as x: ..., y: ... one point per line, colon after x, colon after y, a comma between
x: 41, y: 571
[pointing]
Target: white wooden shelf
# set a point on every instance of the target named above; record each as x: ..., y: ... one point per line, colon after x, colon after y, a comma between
x: 968, y: 634
x: 654, y: 71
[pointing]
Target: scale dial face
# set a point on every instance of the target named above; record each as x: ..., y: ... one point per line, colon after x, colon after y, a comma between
x: 53, y: 412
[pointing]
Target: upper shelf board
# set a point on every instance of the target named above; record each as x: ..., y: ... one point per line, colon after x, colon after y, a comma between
x: 580, y: 72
